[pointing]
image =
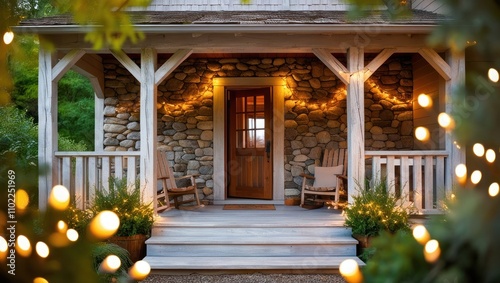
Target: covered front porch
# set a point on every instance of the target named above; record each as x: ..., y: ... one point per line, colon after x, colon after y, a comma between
x: 420, y: 171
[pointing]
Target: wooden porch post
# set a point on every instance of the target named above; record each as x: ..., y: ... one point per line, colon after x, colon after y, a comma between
x: 355, y: 121
x: 456, y: 155
x: 148, y: 124
x: 47, y: 126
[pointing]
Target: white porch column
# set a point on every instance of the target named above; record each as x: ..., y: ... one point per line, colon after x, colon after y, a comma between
x: 456, y: 155
x: 47, y: 126
x: 99, y: 123
x: 355, y: 121
x: 148, y: 124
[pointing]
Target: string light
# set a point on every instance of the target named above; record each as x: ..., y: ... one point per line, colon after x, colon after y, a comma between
x: 493, y: 189
x: 8, y: 37
x: 23, y: 246
x: 72, y: 235
x: 475, y: 177
x: 140, y: 270
x: 59, y: 197
x: 62, y: 226
x: 424, y: 100
x: 421, y: 234
x: 490, y: 155
x: 493, y: 75
x: 461, y: 173
x: 40, y: 280
x: 350, y: 271
x: 110, y: 264
x: 432, y: 251
x: 445, y: 121
x: 22, y: 199
x: 42, y: 249
x: 422, y: 133
x: 478, y: 149
x: 104, y: 225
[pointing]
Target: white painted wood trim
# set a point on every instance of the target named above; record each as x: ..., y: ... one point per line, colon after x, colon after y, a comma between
x: 148, y: 115
x: 66, y: 63
x: 47, y: 127
x: 98, y: 123
x: 391, y: 173
x: 378, y: 61
x: 417, y: 182
x: 80, y: 177
x: 370, y: 153
x: 333, y: 64
x: 278, y: 86
x: 106, y: 173
x: 130, y: 65
x: 355, y: 122
x: 429, y: 182
x: 90, y: 66
x: 436, y: 62
x: 456, y: 154
x: 171, y: 64
x: 96, y: 153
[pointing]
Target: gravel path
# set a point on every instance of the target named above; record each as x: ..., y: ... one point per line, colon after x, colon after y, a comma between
x: 246, y: 278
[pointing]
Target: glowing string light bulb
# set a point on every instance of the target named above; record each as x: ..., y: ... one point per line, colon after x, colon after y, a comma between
x: 475, y: 177
x: 8, y: 37
x: 490, y: 155
x: 23, y: 246
x: 22, y: 199
x: 40, y: 280
x: 72, y: 235
x: 59, y: 197
x: 424, y: 100
x: 104, y: 225
x: 421, y: 234
x: 493, y: 75
x: 110, y: 264
x: 478, y: 149
x: 140, y: 270
x: 445, y: 121
x: 432, y: 251
x: 422, y: 133
x: 493, y: 189
x: 350, y: 271
x: 42, y: 249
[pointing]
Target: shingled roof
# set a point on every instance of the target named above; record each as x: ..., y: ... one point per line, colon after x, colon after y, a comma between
x: 253, y: 17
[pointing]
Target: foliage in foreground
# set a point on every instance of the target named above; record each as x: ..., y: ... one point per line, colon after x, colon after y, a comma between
x: 101, y: 250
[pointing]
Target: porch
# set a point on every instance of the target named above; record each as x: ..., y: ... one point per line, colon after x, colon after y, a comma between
x: 287, y: 239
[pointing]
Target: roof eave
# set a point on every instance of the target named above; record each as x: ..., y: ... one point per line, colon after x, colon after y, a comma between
x: 340, y: 28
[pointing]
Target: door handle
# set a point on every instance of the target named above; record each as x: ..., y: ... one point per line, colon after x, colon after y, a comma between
x: 268, y: 149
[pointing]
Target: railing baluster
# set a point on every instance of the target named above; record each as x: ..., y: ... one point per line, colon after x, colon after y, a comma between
x: 79, y: 183
x: 106, y: 173
x: 131, y: 170
x: 429, y: 182
x: 391, y: 175
x: 405, y: 177
x: 417, y: 182
x: 118, y: 167
x: 440, y: 183
x: 66, y: 173
x: 92, y: 169
x: 376, y: 169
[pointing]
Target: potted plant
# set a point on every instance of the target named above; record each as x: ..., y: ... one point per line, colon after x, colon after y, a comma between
x: 136, y: 217
x: 375, y: 209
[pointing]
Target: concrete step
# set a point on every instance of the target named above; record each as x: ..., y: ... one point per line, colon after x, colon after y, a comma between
x: 191, y: 264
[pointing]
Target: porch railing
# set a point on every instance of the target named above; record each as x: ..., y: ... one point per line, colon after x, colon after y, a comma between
x: 417, y: 176
x: 83, y: 172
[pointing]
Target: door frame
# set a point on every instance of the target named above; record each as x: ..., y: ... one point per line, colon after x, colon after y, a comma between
x: 277, y: 86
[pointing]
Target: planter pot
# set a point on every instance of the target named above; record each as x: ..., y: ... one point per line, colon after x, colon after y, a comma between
x: 135, y: 245
x: 292, y: 201
x: 363, y: 243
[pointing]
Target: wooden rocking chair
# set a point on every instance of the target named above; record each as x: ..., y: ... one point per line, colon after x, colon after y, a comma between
x: 169, y: 190
x: 329, y: 179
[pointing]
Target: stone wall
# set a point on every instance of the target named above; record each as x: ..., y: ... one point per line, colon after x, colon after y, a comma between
x: 315, y: 111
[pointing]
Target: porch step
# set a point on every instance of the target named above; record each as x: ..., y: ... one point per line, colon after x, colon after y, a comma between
x: 286, y: 239
x: 188, y: 263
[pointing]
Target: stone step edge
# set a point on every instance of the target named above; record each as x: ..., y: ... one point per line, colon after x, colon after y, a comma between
x: 246, y: 225
x: 247, y: 263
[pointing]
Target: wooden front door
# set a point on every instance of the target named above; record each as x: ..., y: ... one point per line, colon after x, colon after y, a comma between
x: 250, y: 145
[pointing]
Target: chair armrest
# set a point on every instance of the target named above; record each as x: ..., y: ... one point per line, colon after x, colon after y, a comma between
x: 307, y: 176
x: 187, y: 176
x: 343, y: 177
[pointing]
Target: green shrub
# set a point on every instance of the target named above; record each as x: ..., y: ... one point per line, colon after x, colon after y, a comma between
x: 101, y: 250
x: 375, y: 209
x: 135, y: 216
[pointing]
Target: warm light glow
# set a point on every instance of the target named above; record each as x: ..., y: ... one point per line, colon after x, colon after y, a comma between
x: 8, y: 37
x: 475, y: 177
x: 59, y: 197
x: 421, y: 235
x: 422, y: 133
x: 445, y: 121
x: 490, y: 155
x: 104, y: 225
x: 492, y: 74
x: 494, y: 189
x: 110, y: 264
x: 40, y: 280
x: 72, y: 235
x: 3, y: 244
x: 424, y: 100
x: 22, y: 199
x: 42, y: 249
x: 140, y: 270
x: 461, y: 170
x: 23, y: 246
x: 350, y: 271
x: 432, y: 251
x: 478, y: 149
x: 58, y: 239
x: 62, y: 226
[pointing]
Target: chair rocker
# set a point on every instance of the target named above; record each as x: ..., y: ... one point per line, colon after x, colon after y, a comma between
x: 169, y: 190
x: 329, y: 179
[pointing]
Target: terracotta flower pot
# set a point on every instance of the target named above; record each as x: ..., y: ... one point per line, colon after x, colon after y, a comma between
x: 363, y: 243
